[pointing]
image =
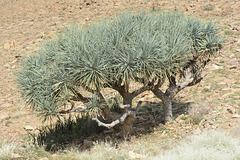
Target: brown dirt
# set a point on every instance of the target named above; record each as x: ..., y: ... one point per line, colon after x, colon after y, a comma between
x: 27, y: 23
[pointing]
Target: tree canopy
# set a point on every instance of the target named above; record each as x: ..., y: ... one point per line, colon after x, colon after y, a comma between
x: 140, y: 47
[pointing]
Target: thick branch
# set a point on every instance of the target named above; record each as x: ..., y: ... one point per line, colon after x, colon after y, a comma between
x: 122, y: 106
x: 159, y: 83
x: 114, y: 123
x: 159, y: 93
x: 195, y: 81
x: 149, y: 86
x: 187, y: 75
x: 121, y: 119
x: 138, y: 106
x: 106, y: 110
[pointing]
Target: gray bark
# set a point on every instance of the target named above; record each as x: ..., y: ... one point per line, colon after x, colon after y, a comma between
x: 167, y: 109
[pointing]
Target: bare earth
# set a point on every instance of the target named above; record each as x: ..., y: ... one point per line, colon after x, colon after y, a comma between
x: 25, y: 24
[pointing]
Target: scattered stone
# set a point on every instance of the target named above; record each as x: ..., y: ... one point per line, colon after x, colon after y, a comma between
x: 226, y: 89
x: 238, y: 50
x: 233, y: 67
x: 6, y: 46
x: 50, y: 34
x: 87, y: 19
x: 44, y: 158
x: 236, y: 116
x: 180, y: 121
x: 14, y: 61
x: 231, y: 110
x: 14, y: 44
x: 215, y: 67
x: 29, y: 128
x: 222, y: 84
x: 235, y: 28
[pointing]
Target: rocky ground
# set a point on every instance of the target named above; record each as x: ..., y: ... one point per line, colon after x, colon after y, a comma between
x: 26, y: 24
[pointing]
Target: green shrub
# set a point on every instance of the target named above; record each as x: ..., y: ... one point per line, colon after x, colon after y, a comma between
x: 146, y: 48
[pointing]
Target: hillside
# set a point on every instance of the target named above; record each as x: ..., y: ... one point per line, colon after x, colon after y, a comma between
x: 215, y: 102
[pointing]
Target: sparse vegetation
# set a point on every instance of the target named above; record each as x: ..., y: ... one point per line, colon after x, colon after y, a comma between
x: 210, y: 145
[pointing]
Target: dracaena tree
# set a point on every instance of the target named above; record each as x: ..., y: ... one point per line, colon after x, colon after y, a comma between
x: 144, y: 49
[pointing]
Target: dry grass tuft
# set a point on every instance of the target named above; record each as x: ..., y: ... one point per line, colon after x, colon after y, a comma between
x: 6, y: 150
x: 210, y: 145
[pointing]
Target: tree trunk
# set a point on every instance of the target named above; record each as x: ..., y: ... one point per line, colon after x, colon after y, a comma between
x: 128, y: 123
x: 127, y: 127
x: 167, y: 109
x: 127, y: 99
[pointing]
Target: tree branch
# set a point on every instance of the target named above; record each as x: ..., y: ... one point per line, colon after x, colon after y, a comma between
x: 114, y: 123
x: 159, y: 83
x: 122, y: 106
x: 121, y: 119
x: 187, y: 75
x: 149, y: 86
x: 159, y: 93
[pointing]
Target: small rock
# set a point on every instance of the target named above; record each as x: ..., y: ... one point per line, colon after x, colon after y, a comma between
x: 6, y: 46
x: 231, y: 110
x: 236, y: 116
x: 29, y: 128
x: 226, y: 89
x: 233, y: 67
x: 215, y: 67
x: 14, y: 61
x: 180, y: 121
x: 238, y: 50
x: 14, y: 44
x: 50, y: 34
x: 87, y: 19
x: 44, y: 158
x: 223, y: 84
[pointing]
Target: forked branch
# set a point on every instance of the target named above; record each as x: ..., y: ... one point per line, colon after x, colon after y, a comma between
x: 121, y: 119
x: 122, y: 106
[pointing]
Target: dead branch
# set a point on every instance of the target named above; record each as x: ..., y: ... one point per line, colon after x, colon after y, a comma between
x: 122, y: 106
x: 121, y: 119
